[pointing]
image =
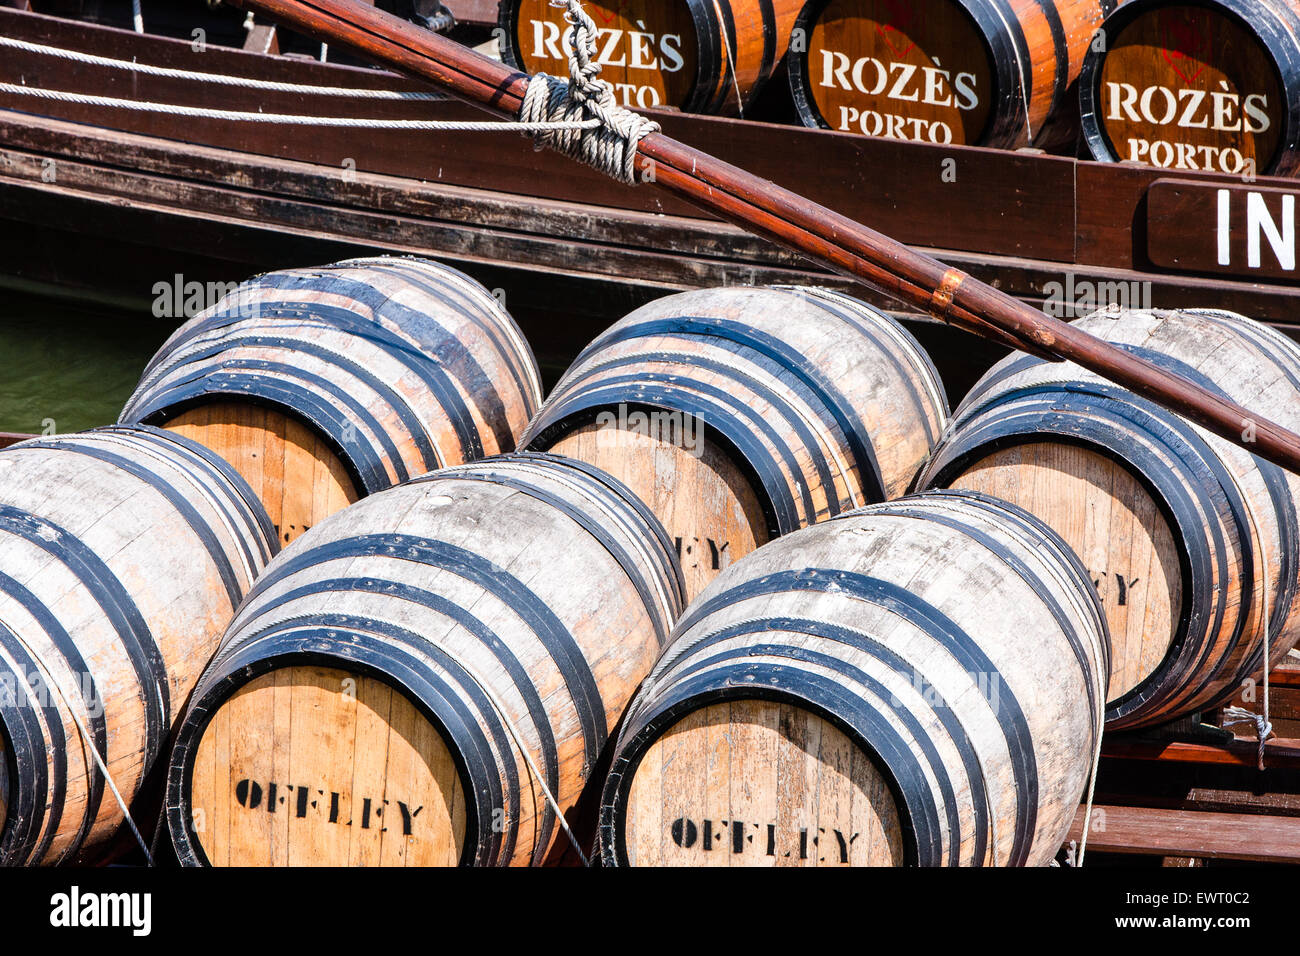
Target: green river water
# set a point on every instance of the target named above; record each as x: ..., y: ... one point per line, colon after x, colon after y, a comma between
x: 65, y: 366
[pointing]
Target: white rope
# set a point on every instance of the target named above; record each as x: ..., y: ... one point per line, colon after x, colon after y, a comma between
x: 1020, y: 65
x: 580, y: 118
x: 1092, y: 782
x: 532, y: 767
x: 219, y: 79
x: 731, y: 59
x: 89, y: 741
x: 611, y: 144
x: 285, y: 119
x: 1240, y: 715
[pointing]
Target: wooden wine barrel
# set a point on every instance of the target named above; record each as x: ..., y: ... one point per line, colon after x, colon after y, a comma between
x: 1206, y: 84
x: 919, y: 682
x: 123, y: 555
x: 1191, y: 540
x: 741, y: 414
x: 701, y: 56
x: 370, y: 700
x: 322, y: 385
x: 973, y: 72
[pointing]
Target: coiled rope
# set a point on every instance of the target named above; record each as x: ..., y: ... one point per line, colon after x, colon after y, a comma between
x: 609, y: 145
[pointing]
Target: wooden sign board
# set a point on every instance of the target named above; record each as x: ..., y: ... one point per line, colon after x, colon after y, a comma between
x: 1226, y: 228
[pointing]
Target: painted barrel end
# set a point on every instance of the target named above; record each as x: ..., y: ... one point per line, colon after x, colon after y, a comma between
x: 1196, y: 85
x: 720, y: 785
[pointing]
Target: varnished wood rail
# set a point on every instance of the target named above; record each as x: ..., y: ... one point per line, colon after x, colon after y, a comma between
x: 1278, y: 753
x: 1192, y: 833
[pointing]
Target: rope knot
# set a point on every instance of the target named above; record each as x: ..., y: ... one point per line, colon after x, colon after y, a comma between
x: 1263, y: 726
x: 600, y: 133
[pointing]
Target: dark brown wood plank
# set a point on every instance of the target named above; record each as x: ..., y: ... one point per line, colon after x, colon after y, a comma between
x: 1280, y: 753
x: 1229, y: 836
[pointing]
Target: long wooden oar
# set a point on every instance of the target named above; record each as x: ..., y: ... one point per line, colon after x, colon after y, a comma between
x: 766, y: 209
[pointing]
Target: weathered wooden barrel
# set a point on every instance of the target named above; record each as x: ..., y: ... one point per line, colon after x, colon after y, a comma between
x: 1192, y: 541
x: 701, y: 56
x: 975, y: 72
x: 322, y: 385
x: 919, y: 682
x: 741, y: 414
x: 1197, y: 84
x: 369, y: 703
x: 123, y: 555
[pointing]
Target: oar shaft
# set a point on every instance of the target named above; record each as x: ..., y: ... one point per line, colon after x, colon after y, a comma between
x: 839, y: 243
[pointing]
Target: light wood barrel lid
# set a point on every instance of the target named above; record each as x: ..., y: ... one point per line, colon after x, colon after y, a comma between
x: 314, y: 766
x: 1115, y: 527
x: 647, y: 48
x: 759, y: 783
x: 295, y: 472
x: 712, y: 513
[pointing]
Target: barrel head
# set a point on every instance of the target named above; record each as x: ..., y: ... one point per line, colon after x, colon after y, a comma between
x: 711, y: 511
x: 647, y: 49
x: 317, y: 766
x: 1187, y: 87
x: 896, y: 69
x: 1115, y: 527
x: 293, y: 469
x: 758, y: 783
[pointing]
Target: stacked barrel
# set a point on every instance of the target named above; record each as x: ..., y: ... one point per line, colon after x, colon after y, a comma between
x: 428, y: 677
x: 1192, y: 541
x: 322, y: 385
x: 839, y: 697
x: 123, y: 555
x: 701, y: 56
x: 742, y: 414
x: 695, y: 619
x: 125, y: 551
x: 974, y: 72
x: 1210, y: 85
